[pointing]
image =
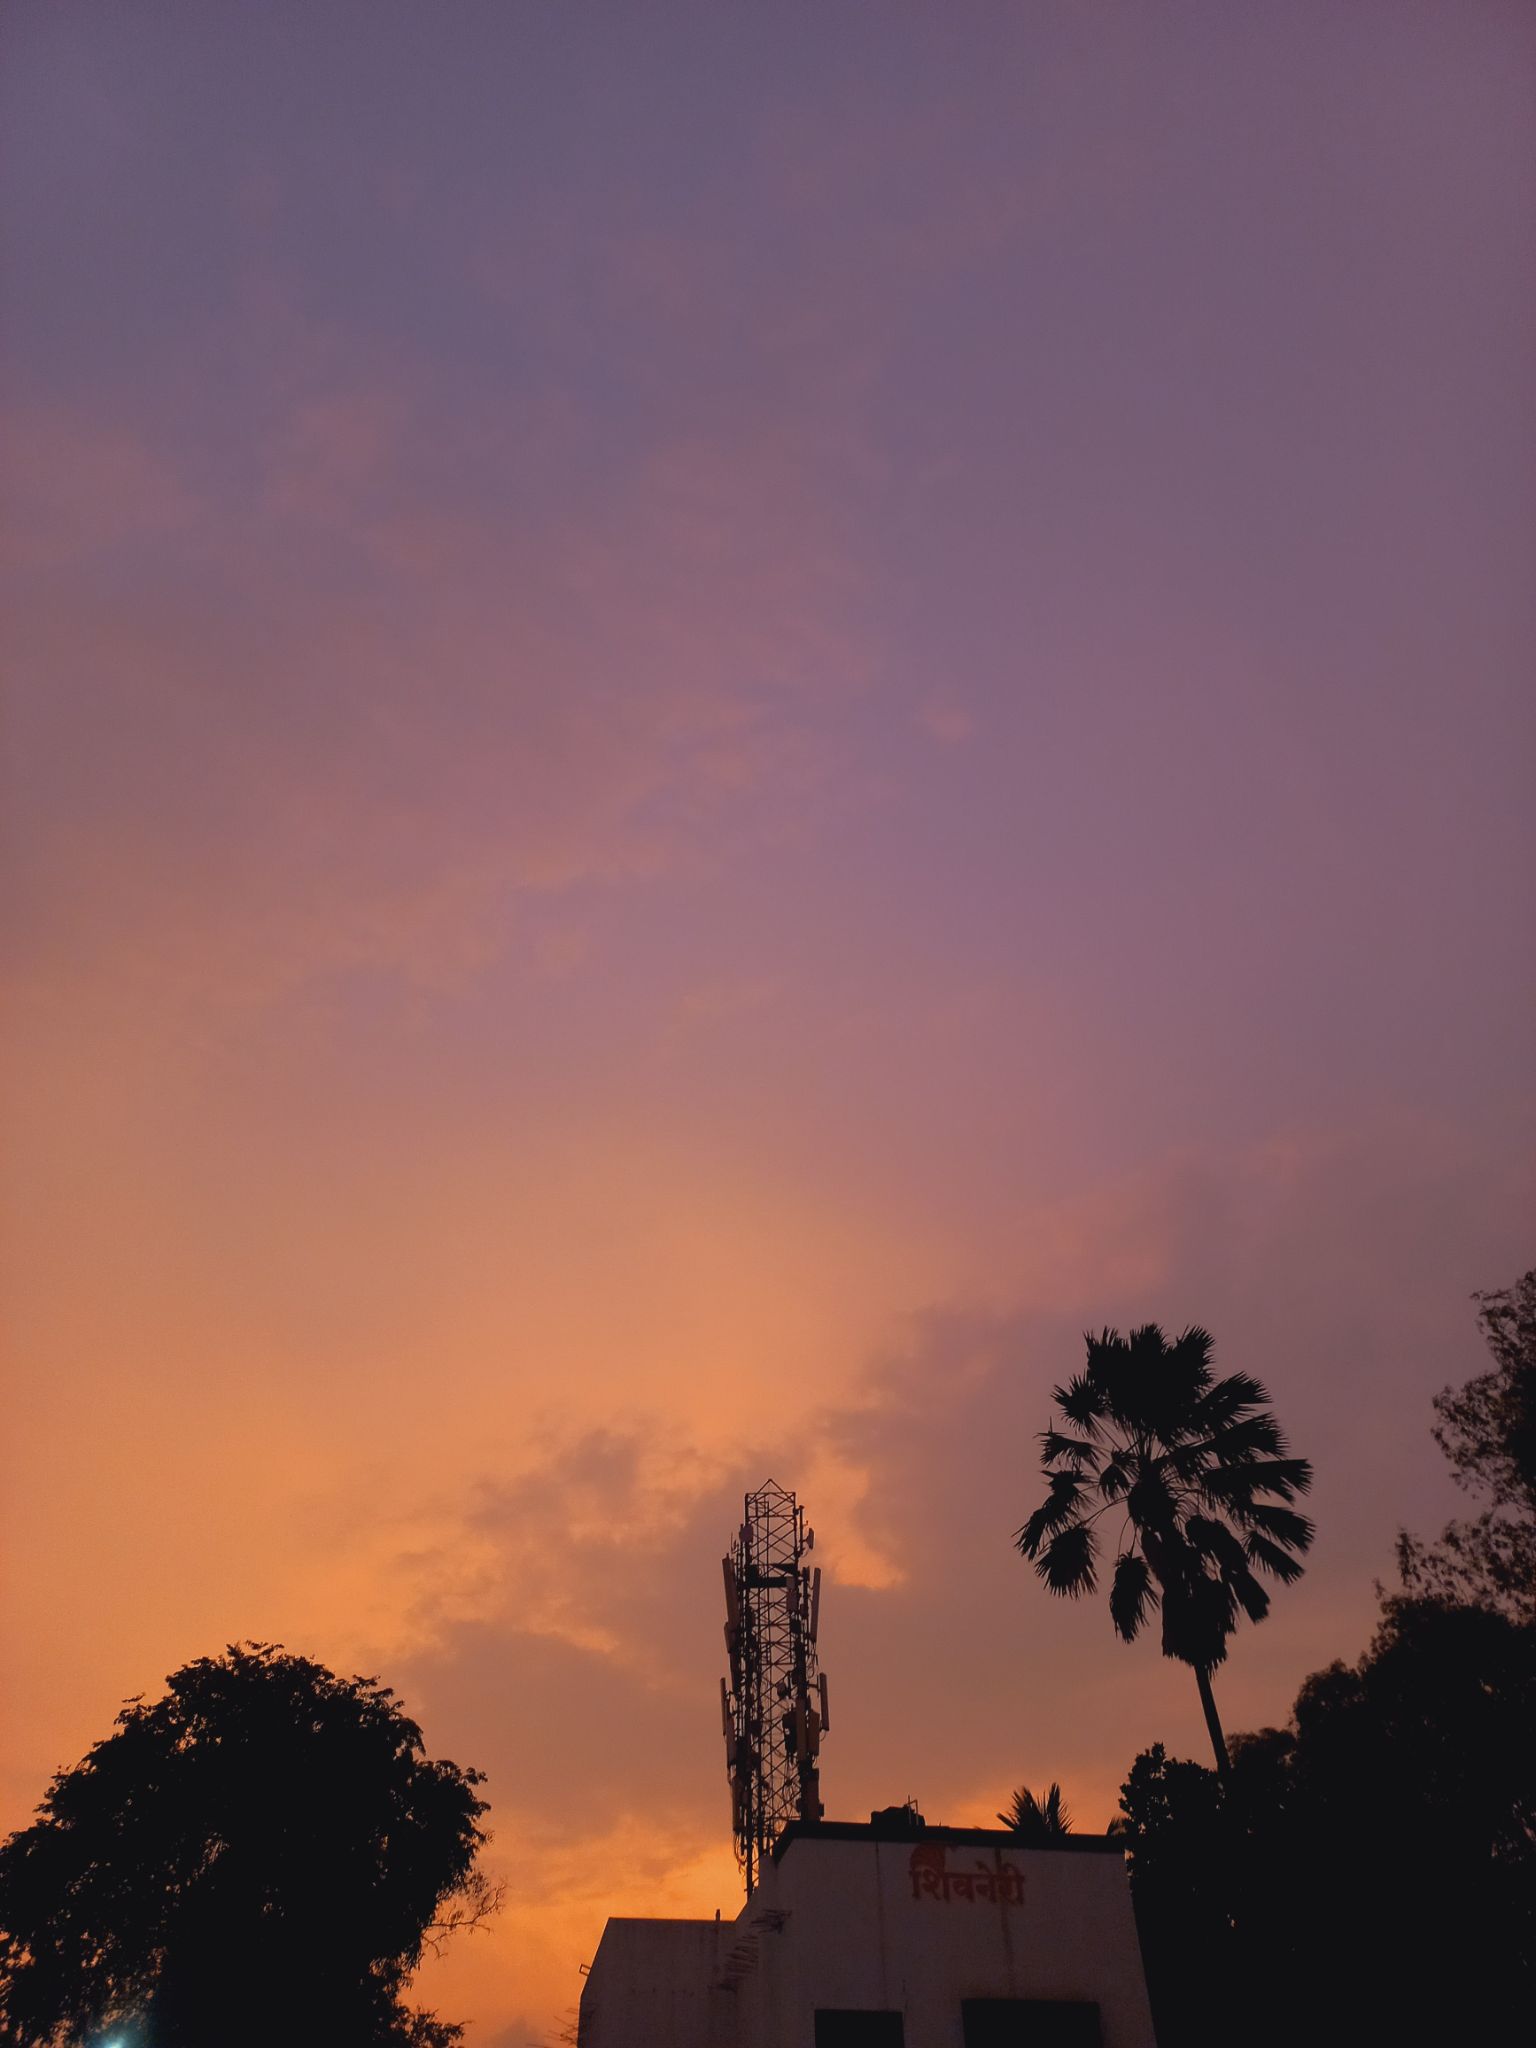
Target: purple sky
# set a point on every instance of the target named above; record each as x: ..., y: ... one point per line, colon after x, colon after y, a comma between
x: 717, y: 717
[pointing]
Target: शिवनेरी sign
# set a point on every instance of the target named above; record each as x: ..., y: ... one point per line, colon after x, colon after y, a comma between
x: 998, y: 1883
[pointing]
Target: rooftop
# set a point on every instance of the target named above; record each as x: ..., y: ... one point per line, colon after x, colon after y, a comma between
x: 900, y: 1824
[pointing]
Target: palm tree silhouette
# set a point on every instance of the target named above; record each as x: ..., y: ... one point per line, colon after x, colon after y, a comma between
x: 1199, y: 1472
x: 1038, y: 1820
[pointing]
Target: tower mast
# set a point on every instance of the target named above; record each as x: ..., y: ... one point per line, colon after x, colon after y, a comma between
x: 774, y: 1705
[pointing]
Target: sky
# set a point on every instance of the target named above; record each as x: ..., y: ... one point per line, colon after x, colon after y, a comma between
x: 717, y: 718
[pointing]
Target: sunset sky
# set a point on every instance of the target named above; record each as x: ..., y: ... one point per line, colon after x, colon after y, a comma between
x: 718, y: 716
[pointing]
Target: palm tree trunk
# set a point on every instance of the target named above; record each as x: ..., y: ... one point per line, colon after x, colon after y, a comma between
x: 1212, y: 1719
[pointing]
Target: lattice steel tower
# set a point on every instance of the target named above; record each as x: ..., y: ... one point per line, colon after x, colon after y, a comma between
x: 775, y: 1704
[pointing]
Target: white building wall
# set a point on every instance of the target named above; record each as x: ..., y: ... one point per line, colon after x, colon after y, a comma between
x: 651, y: 1986
x: 913, y: 1926
x: 867, y: 1929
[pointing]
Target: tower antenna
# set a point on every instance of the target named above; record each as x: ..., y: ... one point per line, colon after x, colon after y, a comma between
x: 774, y: 1705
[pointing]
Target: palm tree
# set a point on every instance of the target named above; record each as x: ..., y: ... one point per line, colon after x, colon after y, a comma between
x: 1038, y: 1820
x: 1197, y: 1469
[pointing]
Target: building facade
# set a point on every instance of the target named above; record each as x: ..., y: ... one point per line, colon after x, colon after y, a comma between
x: 889, y: 1935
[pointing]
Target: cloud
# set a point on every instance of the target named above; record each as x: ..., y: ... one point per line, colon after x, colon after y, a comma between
x: 333, y: 455
x: 585, y: 1680
x: 78, y: 488
x: 947, y: 722
x: 363, y: 720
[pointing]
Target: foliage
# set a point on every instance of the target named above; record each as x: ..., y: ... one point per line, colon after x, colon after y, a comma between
x: 1197, y: 1472
x: 1487, y: 1562
x: 1372, y: 1866
x: 1045, y: 1819
x: 1487, y: 1430
x: 261, y: 1855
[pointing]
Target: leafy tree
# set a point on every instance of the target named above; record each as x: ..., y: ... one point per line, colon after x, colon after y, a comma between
x: 1198, y: 1474
x: 1487, y: 1429
x: 1173, y: 1820
x: 1372, y: 1866
x: 262, y: 1855
x: 1045, y: 1819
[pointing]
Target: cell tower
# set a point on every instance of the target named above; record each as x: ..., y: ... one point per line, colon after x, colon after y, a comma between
x: 775, y: 1706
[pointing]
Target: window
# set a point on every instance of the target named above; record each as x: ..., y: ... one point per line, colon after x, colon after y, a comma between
x: 1030, y: 2023
x: 858, y: 2029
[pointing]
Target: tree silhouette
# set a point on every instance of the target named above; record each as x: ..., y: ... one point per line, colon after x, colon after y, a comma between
x: 1487, y: 1429
x: 1038, y: 1820
x: 1198, y: 1473
x: 262, y: 1855
x: 1393, y: 1819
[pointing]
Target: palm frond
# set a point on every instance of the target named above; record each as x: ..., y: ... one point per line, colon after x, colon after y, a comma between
x: 1230, y: 1398
x: 1189, y: 1361
x: 1199, y: 1614
x: 1283, y: 1476
x: 1061, y: 1504
x: 1147, y: 1344
x: 1142, y: 1386
x: 1250, y: 1436
x: 1081, y: 1400
x: 1251, y: 1596
x: 1105, y: 1346
x: 1054, y: 1445
x: 1207, y: 1536
x: 1028, y: 1539
x: 1150, y: 1502
x: 1114, y: 1478
x: 1131, y: 1594
x: 1214, y: 1541
x: 1038, y: 1820
x: 1195, y: 1343
x: 1189, y: 1462
x: 1269, y: 1557
x: 1283, y: 1524
x: 1067, y: 1562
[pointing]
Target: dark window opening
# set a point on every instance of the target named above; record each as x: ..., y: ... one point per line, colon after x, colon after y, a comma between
x: 1030, y: 2023
x: 858, y: 2029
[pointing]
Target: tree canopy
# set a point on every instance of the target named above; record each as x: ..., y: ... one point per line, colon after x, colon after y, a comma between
x: 1487, y: 1429
x: 263, y: 1854
x: 1372, y: 1866
x: 1196, y: 1476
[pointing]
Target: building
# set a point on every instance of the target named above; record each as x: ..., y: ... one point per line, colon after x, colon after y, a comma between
x: 889, y: 1935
